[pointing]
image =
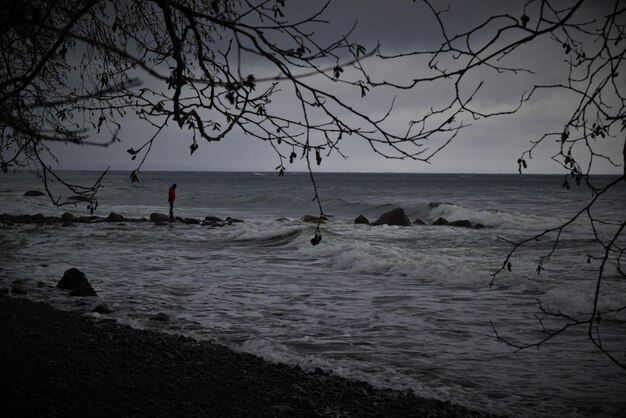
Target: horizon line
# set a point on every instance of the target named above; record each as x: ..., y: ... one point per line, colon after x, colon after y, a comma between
x: 150, y: 170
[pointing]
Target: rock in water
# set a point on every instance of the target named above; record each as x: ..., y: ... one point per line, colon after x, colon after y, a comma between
x: 441, y: 221
x: 393, y: 217
x: 18, y: 290
x: 230, y: 220
x: 75, y: 281
x: 159, y: 217
x: 361, y: 220
x: 68, y: 217
x: 419, y: 222
x: 115, y: 217
x: 213, y: 219
x: 34, y: 193
x: 78, y: 198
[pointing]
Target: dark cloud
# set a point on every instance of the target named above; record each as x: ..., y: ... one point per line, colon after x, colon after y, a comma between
x: 397, y: 26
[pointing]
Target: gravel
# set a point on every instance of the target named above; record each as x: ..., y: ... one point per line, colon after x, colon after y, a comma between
x: 62, y: 364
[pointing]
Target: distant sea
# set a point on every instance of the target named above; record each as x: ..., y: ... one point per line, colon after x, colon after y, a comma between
x: 400, y: 307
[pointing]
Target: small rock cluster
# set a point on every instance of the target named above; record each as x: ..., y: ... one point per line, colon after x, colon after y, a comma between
x: 395, y: 217
x: 68, y: 219
x: 76, y: 282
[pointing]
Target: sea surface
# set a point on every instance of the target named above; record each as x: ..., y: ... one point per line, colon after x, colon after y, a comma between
x: 403, y: 307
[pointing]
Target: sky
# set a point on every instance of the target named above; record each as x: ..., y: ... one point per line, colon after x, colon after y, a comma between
x: 486, y: 146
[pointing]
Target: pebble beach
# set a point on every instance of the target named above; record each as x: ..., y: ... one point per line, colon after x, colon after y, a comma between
x: 56, y: 363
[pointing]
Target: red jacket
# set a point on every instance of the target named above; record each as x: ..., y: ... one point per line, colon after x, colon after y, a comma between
x: 171, y: 195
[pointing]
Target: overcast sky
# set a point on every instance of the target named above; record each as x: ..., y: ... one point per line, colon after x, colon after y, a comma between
x: 488, y: 146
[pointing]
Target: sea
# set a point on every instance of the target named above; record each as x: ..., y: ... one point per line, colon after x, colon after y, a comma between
x: 402, y: 307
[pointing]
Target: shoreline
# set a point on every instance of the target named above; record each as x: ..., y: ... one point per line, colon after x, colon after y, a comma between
x: 59, y: 363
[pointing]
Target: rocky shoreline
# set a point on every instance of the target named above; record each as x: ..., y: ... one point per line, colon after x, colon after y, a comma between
x: 62, y: 364
x: 68, y: 219
x: 395, y: 217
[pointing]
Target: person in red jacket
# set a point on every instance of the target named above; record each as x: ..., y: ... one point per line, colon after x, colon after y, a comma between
x: 171, y: 196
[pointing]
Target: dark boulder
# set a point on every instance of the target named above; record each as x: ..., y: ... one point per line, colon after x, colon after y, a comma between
x: 419, y: 222
x: 191, y: 221
x: 159, y: 217
x: 361, y: 220
x: 78, y: 198
x: 18, y: 289
x: 393, y: 217
x: 441, y: 221
x: 479, y: 226
x: 233, y: 220
x: 462, y: 223
x: 213, y: 219
x: 38, y: 218
x: 68, y: 217
x: 76, y: 281
x: 34, y: 193
x: 115, y: 217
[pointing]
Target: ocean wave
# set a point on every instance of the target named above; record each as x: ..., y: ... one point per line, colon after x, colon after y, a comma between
x: 430, y: 211
x: 270, y: 237
x: 490, y: 217
x: 487, y: 217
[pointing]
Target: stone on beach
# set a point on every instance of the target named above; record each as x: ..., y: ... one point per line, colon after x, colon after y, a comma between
x: 18, y: 289
x: 76, y: 281
x: 361, y: 220
x: 97, y: 368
